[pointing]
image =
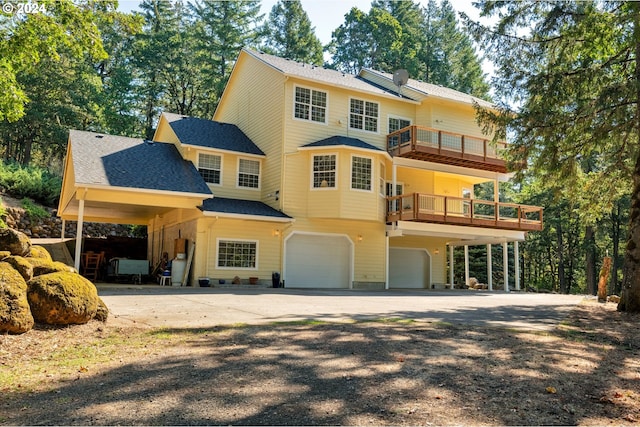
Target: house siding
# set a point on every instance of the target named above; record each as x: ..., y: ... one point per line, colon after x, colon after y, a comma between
x: 254, y: 107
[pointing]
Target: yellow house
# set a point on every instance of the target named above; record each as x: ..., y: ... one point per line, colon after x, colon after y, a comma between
x: 329, y: 179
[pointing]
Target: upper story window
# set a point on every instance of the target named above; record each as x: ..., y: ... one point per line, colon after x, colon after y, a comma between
x: 363, y: 115
x: 324, y: 171
x: 361, y: 173
x: 397, y: 123
x: 210, y: 167
x: 310, y: 105
x: 248, y: 173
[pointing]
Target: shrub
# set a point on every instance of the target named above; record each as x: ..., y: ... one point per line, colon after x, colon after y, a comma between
x: 30, y: 181
x: 34, y: 211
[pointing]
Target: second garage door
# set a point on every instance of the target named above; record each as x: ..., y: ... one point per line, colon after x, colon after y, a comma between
x: 409, y: 268
x: 318, y: 261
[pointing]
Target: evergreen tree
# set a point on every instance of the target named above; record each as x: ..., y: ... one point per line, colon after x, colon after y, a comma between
x: 223, y: 29
x: 574, y: 77
x: 288, y: 34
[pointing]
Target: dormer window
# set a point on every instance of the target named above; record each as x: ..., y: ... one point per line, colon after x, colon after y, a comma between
x: 310, y: 105
x: 363, y: 115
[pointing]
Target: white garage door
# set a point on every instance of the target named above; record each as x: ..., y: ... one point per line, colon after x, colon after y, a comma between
x: 317, y: 261
x: 408, y: 268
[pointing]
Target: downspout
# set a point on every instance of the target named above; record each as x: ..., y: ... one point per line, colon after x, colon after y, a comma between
x: 206, y: 264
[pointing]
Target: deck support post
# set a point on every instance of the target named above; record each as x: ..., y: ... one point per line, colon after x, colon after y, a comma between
x: 466, y: 265
x: 78, y: 253
x: 451, y: 249
x: 489, y: 268
x: 386, y: 278
x: 516, y: 264
x: 505, y: 267
x: 64, y: 224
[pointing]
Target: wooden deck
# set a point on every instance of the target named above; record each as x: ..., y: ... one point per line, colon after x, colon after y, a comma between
x: 467, y: 212
x: 438, y: 146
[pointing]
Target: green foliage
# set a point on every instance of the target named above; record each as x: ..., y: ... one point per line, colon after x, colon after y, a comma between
x: 34, y: 211
x: 30, y: 181
x: 288, y: 34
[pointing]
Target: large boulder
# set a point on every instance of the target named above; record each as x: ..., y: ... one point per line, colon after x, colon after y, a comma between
x: 15, y: 315
x: 15, y: 242
x: 62, y: 298
x: 21, y: 265
x: 40, y: 252
x: 103, y: 311
x: 42, y: 266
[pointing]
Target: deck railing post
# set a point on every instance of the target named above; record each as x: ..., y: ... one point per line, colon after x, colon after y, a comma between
x: 439, y: 142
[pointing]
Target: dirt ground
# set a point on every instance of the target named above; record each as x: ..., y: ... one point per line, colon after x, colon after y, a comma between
x: 386, y: 372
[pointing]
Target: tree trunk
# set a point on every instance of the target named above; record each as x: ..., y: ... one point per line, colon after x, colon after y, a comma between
x: 590, y: 261
x: 630, y: 295
x: 560, y: 251
x: 615, y: 220
x: 604, y: 278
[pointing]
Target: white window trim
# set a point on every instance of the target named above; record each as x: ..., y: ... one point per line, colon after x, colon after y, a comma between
x: 230, y: 239
x: 221, y: 166
x: 238, y: 186
x: 382, y: 179
x: 326, y: 112
x: 393, y: 116
x: 336, y: 172
x: 371, y: 178
x: 377, y: 132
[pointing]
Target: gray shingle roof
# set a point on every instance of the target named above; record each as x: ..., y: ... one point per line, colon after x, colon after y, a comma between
x: 241, y: 207
x: 433, y: 90
x: 318, y: 74
x: 120, y: 161
x: 343, y: 140
x: 210, y: 134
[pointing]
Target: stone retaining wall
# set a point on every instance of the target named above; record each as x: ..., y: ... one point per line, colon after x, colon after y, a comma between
x: 51, y: 227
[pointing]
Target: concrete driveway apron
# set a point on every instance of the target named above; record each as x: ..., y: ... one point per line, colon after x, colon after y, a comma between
x: 187, y: 307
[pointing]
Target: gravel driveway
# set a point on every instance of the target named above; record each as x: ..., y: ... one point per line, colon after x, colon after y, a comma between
x: 158, y: 306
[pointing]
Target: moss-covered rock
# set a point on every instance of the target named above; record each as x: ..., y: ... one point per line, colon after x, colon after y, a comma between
x: 103, y: 311
x: 40, y: 252
x: 15, y: 314
x: 21, y: 265
x: 42, y: 266
x: 4, y: 254
x: 15, y: 242
x: 62, y: 298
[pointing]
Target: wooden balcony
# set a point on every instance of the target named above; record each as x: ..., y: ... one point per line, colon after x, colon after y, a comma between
x: 460, y: 211
x: 438, y: 146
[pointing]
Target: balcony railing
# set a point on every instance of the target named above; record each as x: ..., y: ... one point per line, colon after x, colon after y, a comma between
x: 460, y: 211
x: 423, y: 143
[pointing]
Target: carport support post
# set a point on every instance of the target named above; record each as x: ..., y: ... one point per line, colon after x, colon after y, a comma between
x: 505, y: 267
x: 451, y: 248
x: 489, y: 268
x: 78, y: 253
x: 516, y: 268
x: 466, y: 265
x: 64, y: 225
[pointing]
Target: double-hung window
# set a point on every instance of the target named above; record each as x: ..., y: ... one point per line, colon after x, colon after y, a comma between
x: 237, y: 254
x: 310, y: 105
x: 361, y: 173
x: 396, y: 123
x: 248, y: 173
x: 324, y: 171
x: 363, y: 115
x: 210, y: 167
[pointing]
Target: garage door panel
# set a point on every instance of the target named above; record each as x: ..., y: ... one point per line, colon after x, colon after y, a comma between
x: 408, y: 268
x: 318, y: 261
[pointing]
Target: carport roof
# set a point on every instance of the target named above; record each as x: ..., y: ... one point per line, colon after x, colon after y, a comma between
x: 223, y: 205
x: 118, y: 161
x: 211, y: 134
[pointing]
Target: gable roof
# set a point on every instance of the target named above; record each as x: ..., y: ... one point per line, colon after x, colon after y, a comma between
x: 342, y: 141
x: 315, y: 73
x: 249, y: 208
x: 119, y: 161
x: 211, y: 134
